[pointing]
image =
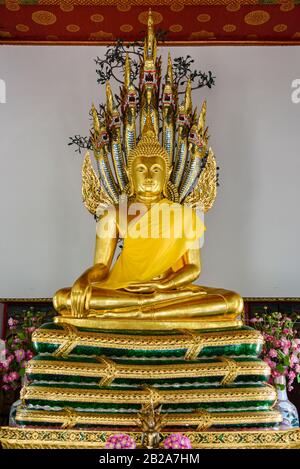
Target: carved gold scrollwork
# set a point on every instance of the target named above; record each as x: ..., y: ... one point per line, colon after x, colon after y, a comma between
x: 153, y: 399
x: 232, y: 371
x: 69, y: 344
x: 71, y: 418
x: 195, y: 348
x: 109, y: 373
x: 205, y: 420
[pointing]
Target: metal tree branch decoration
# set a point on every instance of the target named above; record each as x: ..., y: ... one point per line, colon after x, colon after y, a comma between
x: 112, y: 64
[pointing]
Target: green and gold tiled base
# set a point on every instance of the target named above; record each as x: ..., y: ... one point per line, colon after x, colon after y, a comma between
x: 61, y: 340
x: 32, y: 438
x: 200, y: 420
x: 92, y: 380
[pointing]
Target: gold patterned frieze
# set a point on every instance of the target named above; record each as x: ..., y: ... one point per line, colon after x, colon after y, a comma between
x: 69, y: 338
x: 32, y: 438
x: 149, y: 324
x: 106, y: 370
x: 145, y: 3
x: 202, y: 419
x: 144, y: 396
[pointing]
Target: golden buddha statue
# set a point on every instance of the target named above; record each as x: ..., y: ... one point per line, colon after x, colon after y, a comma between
x: 137, y: 345
x: 150, y: 286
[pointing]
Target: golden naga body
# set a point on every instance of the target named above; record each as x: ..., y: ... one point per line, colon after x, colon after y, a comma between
x: 150, y: 285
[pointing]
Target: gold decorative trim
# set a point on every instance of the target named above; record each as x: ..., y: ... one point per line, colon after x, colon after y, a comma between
x: 109, y: 370
x: 46, y: 393
x: 246, y: 298
x: 148, y: 342
x: 196, y: 43
x: 148, y: 324
x: 31, y: 438
x: 25, y: 300
x: 68, y: 418
x: 71, y: 340
x: 271, y: 299
x: 145, y: 3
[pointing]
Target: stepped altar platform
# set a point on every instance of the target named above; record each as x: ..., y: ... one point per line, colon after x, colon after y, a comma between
x: 87, y: 384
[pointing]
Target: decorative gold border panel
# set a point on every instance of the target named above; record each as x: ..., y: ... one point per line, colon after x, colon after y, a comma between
x: 68, y: 418
x: 12, y: 437
x: 191, y: 341
x: 146, y: 396
x: 108, y: 368
x: 246, y: 298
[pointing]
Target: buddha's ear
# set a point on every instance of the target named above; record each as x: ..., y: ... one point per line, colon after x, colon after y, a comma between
x: 129, y: 188
x: 170, y: 172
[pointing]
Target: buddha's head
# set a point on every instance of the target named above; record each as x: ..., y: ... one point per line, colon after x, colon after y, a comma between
x: 148, y: 175
x: 148, y: 165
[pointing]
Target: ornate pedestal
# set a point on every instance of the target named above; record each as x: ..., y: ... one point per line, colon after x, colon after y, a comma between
x: 89, y: 383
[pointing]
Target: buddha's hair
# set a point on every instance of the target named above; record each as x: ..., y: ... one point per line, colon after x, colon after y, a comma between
x: 148, y: 146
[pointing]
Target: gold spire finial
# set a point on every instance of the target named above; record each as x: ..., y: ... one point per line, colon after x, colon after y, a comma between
x: 95, y: 118
x: 188, y: 96
x: 127, y: 71
x: 150, y: 40
x: 150, y: 22
x: 170, y: 69
x: 109, y: 98
x: 148, y: 128
x: 202, y: 117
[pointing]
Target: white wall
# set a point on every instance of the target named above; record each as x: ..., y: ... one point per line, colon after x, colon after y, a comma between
x: 252, y: 238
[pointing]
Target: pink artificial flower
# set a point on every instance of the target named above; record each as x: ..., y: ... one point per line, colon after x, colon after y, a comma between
x: 275, y: 373
x: 12, y: 322
x: 267, y: 337
x: 20, y: 355
x: 271, y: 364
x: 177, y: 441
x: 287, y: 331
x: 294, y: 359
x: 272, y: 353
x: 120, y: 441
x: 31, y: 329
x: 285, y: 343
x: 297, y: 368
x: 29, y: 355
x: 14, y: 376
x: 6, y: 378
x: 5, y: 364
x: 6, y: 387
x: 291, y: 375
x: 10, y: 358
x: 253, y: 320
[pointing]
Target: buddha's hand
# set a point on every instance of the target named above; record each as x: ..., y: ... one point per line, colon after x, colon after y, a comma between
x: 149, y: 287
x: 79, y: 294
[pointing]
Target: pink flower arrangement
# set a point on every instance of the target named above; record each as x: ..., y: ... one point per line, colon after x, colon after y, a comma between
x: 281, y: 348
x: 177, y: 441
x: 120, y: 441
x: 18, y: 350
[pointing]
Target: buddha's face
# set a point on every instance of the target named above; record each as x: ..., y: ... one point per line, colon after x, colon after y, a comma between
x: 148, y: 175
